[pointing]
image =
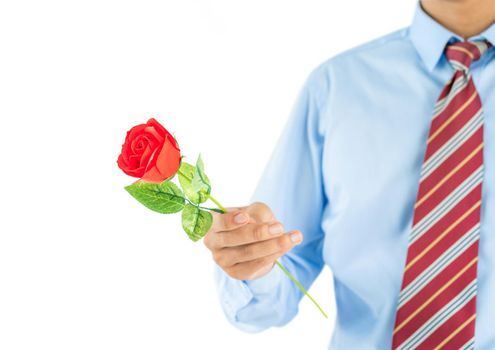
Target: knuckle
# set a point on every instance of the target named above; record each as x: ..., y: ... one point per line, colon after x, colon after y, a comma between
x: 235, y: 271
x: 264, y: 210
x: 256, y: 204
x: 216, y: 221
x: 235, y: 274
x: 231, y: 271
x: 213, y: 240
x: 219, y: 258
x: 207, y: 241
x: 221, y: 222
x: 214, y: 255
x: 261, y: 205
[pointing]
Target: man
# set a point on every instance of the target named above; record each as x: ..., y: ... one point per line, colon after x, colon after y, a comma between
x: 387, y: 167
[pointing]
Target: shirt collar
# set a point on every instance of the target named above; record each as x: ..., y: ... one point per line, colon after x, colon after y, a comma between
x: 430, y: 37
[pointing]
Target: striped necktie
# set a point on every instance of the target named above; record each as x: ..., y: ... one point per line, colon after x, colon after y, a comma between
x: 437, y: 303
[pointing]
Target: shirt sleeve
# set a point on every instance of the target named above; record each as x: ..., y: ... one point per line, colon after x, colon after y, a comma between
x: 291, y: 185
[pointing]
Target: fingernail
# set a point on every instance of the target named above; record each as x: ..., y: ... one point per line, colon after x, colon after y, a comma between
x: 296, y: 237
x: 240, y: 218
x: 275, y: 228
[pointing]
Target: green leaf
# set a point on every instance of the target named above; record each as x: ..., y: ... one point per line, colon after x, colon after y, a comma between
x: 200, y: 165
x: 196, y: 222
x: 186, y: 174
x: 200, y: 182
x: 165, y: 197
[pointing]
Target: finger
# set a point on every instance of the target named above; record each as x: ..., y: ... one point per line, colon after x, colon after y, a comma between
x: 260, y: 212
x: 229, y: 221
x: 230, y: 209
x: 252, y: 269
x: 253, y: 251
x: 249, y: 233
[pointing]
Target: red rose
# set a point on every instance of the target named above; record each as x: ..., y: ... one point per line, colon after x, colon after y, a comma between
x: 150, y: 152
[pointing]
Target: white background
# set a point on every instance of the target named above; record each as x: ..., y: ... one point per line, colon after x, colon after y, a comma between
x: 82, y: 264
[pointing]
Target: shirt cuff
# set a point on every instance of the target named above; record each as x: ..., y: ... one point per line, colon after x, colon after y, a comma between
x: 233, y: 293
x: 266, y: 283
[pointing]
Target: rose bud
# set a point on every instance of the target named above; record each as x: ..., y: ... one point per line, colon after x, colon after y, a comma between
x: 150, y: 152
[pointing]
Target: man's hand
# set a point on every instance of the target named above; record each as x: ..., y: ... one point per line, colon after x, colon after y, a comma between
x: 246, y: 241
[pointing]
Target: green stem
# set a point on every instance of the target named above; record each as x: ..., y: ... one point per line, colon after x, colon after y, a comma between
x: 305, y: 292
x: 199, y: 206
x: 207, y: 194
x: 301, y: 288
x: 212, y: 209
x: 216, y: 202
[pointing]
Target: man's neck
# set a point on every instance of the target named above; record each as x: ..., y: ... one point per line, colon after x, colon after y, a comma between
x: 465, y: 18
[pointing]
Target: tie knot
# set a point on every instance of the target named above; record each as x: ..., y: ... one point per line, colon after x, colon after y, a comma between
x: 462, y: 53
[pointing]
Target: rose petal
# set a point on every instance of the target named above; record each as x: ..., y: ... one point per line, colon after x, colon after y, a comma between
x: 139, y: 144
x: 166, y: 164
x: 174, y: 142
x: 159, y: 127
x: 121, y: 163
x: 136, y: 130
x: 136, y: 172
x: 132, y: 134
x: 134, y: 161
x: 125, y: 168
x: 154, y: 134
x: 126, y: 149
x: 146, y: 156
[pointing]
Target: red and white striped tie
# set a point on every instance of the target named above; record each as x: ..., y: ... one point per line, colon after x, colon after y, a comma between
x: 437, y: 303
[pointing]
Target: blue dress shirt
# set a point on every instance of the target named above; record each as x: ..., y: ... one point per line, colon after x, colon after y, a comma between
x: 345, y: 171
